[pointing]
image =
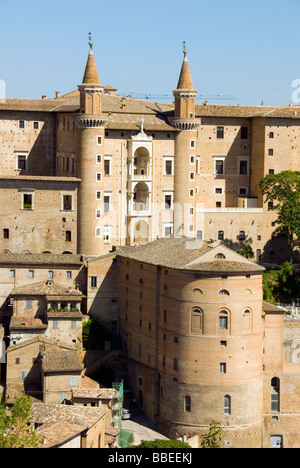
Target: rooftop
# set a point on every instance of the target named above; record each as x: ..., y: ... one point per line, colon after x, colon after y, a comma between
x: 189, y: 254
x: 61, y: 361
x: 50, y: 289
x: 83, y: 415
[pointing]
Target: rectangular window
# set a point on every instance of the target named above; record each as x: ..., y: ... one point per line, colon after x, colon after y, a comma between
x: 55, y: 324
x: 6, y: 233
x: 106, y: 203
x: 73, y: 165
x: 98, y: 177
x: 27, y: 201
x: 98, y: 232
x: 168, y: 167
x: 98, y: 195
x: 99, y: 140
x: 219, y: 167
x: 271, y: 152
x: 106, y: 236
x: 107, y: 167
x: 72, y: 381
x: 12, y: 273
x: 67, y: 202
x: 175, y: 364
x: 223, y: 367
x: 93, y: 281
x: 69, y: 274
x: 31, y: 273
x: 223, y: 323
x: 244, y: 133
x: 243, y: 167
x: 68, y: 236
x: 98, y: 159
x: 218, y: 191
x: 168, y: 231
x: 98, y: 214
x: 220, y: 132
x: 50, y: 274
x: 271, y: 135
x: 21, y: 124
x: 29, y: 304
x: 192, y: 145
x: 22, y: 162
x: 168, y: 202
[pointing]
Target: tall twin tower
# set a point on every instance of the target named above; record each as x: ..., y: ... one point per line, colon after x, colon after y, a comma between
x: 91, y: 123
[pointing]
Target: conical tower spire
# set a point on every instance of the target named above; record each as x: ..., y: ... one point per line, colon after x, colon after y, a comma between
x: 185, y: 78
x: 91, y: 74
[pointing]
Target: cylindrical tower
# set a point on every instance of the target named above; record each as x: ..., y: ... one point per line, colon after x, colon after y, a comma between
x: 211, y: 350
x: 185, y: 151
x: 91, y: 124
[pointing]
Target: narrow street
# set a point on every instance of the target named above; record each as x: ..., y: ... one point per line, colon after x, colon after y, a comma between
x: 142, y: 427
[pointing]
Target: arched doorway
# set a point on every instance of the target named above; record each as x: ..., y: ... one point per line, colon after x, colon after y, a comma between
x: 141, y: 232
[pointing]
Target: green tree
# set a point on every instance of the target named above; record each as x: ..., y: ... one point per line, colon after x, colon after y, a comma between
x: 213, y: 438
x: 15, y: 428
x: 159, y: 443
x: 246, y: 251
x: 282, y: 191
x: 94, y: 335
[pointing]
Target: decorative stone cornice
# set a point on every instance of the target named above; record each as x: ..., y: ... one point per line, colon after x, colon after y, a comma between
x: 185, y: 124
x: 91, y: 121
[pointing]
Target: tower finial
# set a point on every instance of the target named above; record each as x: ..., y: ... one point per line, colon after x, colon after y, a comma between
x: 184, y: 50
x: 90, y: 42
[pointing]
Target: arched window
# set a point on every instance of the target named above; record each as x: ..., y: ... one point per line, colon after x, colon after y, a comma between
x: 223, y: 320
x: 197, y: 321
x: 247, y: 321
x: 221, y: 235
x: 187, y: 404
x: 220, y: 255
x: 227, y: 404
x: 224, y: 292
x: 275, y: 394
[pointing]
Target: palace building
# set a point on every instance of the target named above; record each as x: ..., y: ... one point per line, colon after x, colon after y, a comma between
x: 91, y: 169
x: 129, y: 211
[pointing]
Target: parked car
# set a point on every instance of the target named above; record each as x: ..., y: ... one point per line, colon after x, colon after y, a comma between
x: 126, y: 414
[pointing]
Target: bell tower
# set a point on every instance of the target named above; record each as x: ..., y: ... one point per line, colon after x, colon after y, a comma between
x: 91, y: 124
x: 186, y: 142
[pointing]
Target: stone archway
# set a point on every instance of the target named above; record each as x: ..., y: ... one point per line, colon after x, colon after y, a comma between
x: 141, y: 232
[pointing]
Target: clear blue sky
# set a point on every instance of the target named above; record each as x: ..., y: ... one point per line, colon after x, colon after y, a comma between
x: 249, y: 50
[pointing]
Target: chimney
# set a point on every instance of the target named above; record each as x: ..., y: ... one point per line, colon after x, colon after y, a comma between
x: 44, y: 97
x: 57, y: 94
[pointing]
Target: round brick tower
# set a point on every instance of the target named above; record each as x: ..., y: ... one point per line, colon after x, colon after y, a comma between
x: 90, y: 144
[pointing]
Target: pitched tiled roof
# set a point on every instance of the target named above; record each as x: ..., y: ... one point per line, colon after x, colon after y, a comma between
x: 61, y: 361
x: 97, y: 393
x: 19, y: 323
x: 50, y: 289
x: 82, y: 415
x: 58, y: 433
x: 40, y: 259
x: 187, y: 254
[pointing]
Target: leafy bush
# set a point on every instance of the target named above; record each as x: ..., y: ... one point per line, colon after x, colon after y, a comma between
x: 159, y: 443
